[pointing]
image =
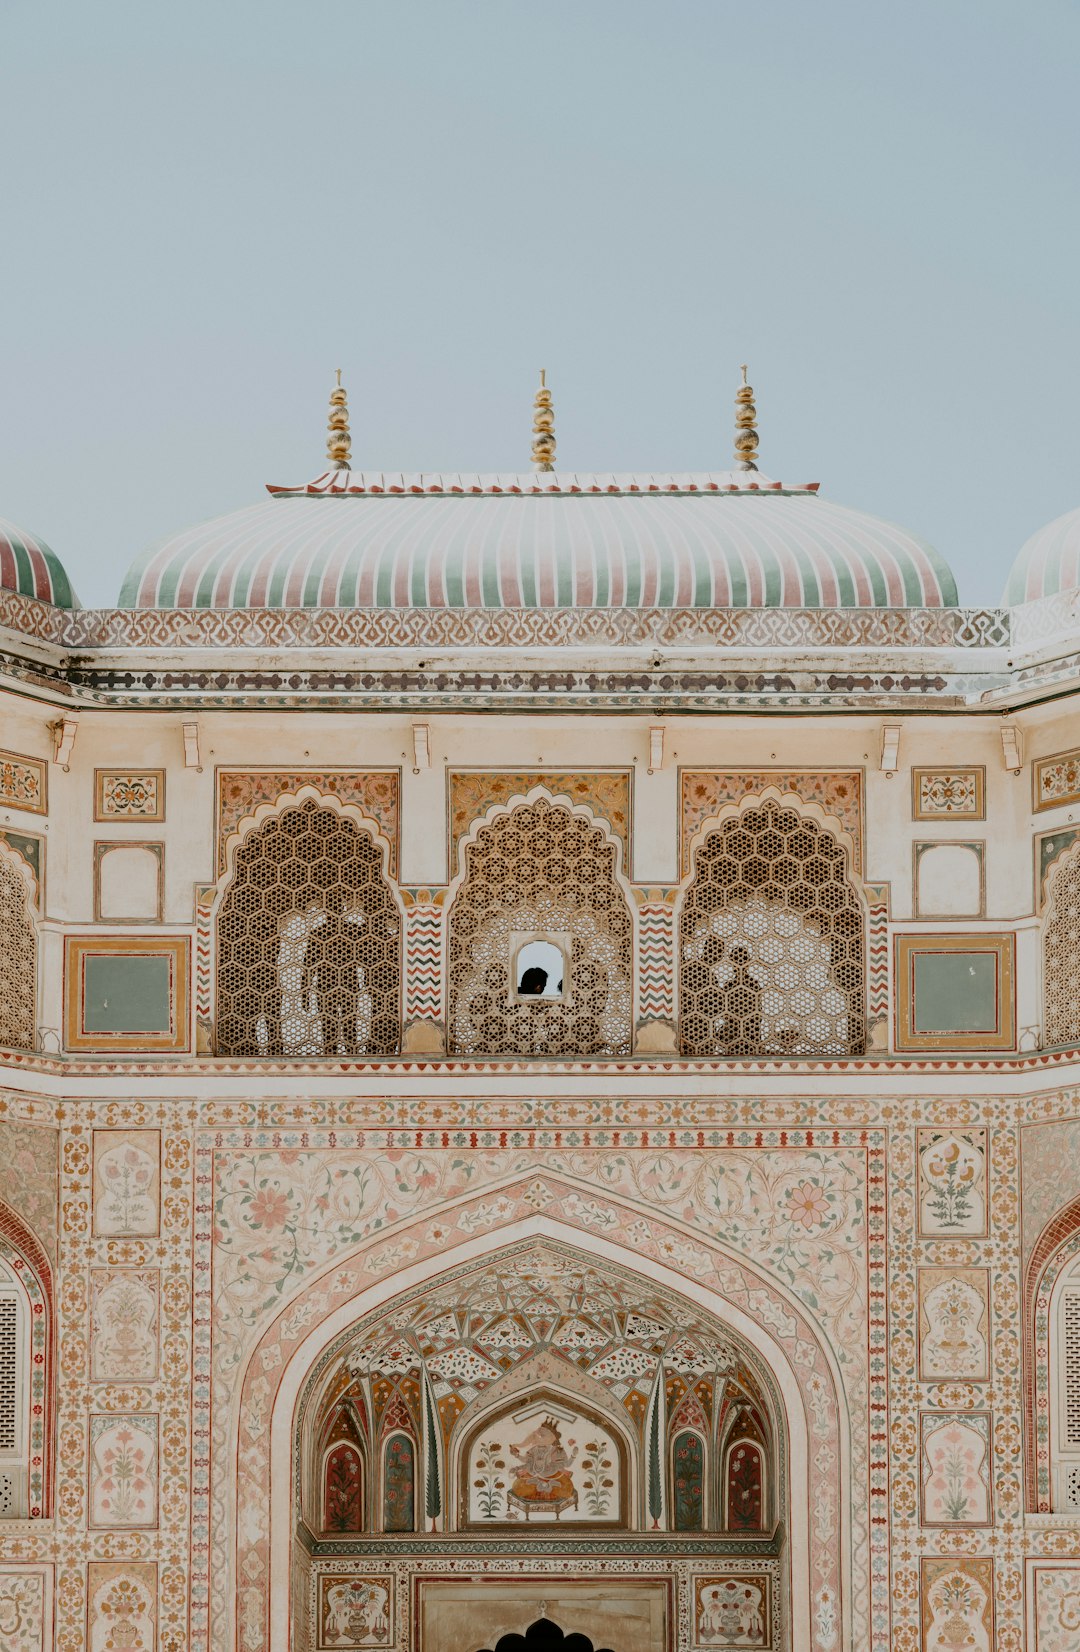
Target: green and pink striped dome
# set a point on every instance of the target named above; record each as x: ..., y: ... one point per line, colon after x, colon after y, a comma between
x: 549, y: 540
x: 28, y: 566
x: 1049, y: 562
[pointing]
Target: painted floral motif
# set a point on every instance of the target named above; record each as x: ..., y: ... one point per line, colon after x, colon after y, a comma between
x: 953, y: 1324
x: 131, y: 796
x: 732, y: 1611
x: 953, y: 793
x: 1057, y: 1608
x: 375, y: 794
x: 952, y: 1182
x: 123, y: 1470
x: 125, y: 1182
x: 122, y: 1607
x: 705, y: 792
x: 1057, y: 780
x: 22, y: 783
x: 956, y: 1468
x: 355, y: 1611
x: 124, y: 1346
x: 22, y: 1611
x: 957, y: 1606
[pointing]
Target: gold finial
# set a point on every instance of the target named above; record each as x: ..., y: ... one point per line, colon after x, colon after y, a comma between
x: 543, y: 448
x: 338, y: 441
x: 746, y: 436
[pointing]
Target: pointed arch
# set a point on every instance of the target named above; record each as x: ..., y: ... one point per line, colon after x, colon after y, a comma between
x: 540, y: 872
x: 814, y: 1409
x: 27, y: 1376
x: 1061, y: 951
x: 308, y: 930
x: 772, y: 935
x: 18, y: 951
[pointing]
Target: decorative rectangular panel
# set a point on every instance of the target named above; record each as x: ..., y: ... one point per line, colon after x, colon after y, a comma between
x: 24, y: 783
x: 955, y: 992
x: 1055, y: 781
x: 954, y: 1324
x: 126, y: 1188
x: 124, y: 993
x: 129, y: 794
x: 129, y: 882
x: 948, y: 794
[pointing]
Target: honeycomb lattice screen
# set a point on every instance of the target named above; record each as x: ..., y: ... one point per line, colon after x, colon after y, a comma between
x: 308, y: 942
x: 1070, y: 1374
x: 540, y: 868
x: 18, y: 960
x: 771, y: 942
x: 1061, y: 954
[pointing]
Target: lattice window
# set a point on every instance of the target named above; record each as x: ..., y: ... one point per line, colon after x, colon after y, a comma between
x: 1061, y: 954
x: 1071, y: 1487
x: 541, y: 870
x: 771, y: 942
x: 18, y: 959
x: 13, y: 1424
x: 1070, y: 1366
x: 309, y: 942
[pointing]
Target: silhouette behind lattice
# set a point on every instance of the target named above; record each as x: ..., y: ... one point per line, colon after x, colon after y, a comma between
x: 771, y: 942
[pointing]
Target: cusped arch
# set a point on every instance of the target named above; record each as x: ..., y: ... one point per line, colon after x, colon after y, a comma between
x: 772, y: 924
x: 540, y: 869
x: 308, y: 927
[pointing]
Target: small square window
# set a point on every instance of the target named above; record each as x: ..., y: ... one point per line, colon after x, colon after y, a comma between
x: 540, y: 967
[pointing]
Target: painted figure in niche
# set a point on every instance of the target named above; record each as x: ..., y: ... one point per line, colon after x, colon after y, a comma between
x: 126, y: 1176
x: 356, y: 1612
x: 744, y: 1490
x: 399, y: 1485
x: 688, y: 1465
x: 956, y: 1491
x: 953, y: 1199
x: 542, y: 1475
x: 958, y: 1615
x: 343, y: 1497
x: 731, y: 1613
x: 955, y: 1344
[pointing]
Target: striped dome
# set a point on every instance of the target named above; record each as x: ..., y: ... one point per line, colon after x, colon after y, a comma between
x: 28, y: 566
x: 1048, y: 563
x: 361, y: 540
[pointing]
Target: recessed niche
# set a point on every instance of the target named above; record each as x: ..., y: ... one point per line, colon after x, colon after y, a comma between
x: 540, y: 968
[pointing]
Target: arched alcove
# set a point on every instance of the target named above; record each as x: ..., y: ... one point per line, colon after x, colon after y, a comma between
x: 308, y: 938
x: 771, y: 938
x: 540, y: 886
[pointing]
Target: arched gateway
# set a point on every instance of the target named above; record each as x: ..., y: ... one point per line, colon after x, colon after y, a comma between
x: 533, y: 1407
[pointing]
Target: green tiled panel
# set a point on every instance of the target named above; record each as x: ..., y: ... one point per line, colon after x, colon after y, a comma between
x: 127, y: 995
x: 955, y: 992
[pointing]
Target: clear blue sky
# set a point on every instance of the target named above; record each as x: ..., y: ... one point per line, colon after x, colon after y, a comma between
x: 207, y: 207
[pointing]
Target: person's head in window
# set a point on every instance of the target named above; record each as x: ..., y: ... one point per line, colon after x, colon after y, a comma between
x: 533, y: 982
